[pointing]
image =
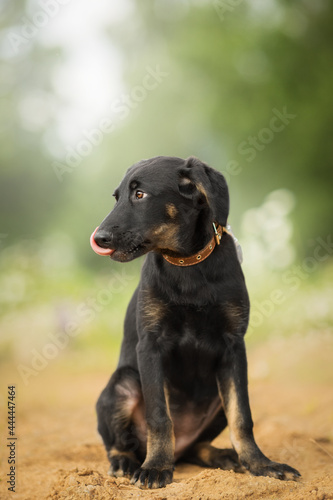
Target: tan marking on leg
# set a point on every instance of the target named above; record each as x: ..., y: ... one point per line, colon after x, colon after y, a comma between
x: 206, y: 455
x: 234, y: 418
x: 160, y: 447
x: 235, y: 315
x: 153, y: 309
x: 234, y: 310
x: 129, y: 454
x: 128, y: 398
x: 167, y: 400
x: 204, y: 452
x: 161, y: 444
x: 171, y: 210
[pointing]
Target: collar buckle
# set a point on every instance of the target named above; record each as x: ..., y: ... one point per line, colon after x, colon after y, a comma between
x: 217, y: 236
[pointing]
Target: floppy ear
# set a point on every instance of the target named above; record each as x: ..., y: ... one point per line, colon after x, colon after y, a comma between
x: 206, y: 187
x: 191, y: 186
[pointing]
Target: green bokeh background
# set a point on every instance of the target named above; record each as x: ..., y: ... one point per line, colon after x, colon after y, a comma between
x: 226, y: 69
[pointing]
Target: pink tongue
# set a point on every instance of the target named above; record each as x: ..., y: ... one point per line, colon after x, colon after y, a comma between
x: 98, y: 249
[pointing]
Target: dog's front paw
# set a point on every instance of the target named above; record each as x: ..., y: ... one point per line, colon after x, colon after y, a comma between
x: 152, y: 477
x: 274, y: 469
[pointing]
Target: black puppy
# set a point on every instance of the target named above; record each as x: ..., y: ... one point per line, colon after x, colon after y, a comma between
x: 182, y: 372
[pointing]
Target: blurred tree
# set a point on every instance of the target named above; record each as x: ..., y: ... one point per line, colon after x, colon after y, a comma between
x: 256, y: 79
x: 248, y: 89
x: 30, y: 196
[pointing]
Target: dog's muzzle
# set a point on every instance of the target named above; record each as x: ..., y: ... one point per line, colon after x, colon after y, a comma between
x: 99, y: 250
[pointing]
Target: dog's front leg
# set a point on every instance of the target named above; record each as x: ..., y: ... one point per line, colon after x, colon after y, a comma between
x: 157, y: 469
x: 232, y: 384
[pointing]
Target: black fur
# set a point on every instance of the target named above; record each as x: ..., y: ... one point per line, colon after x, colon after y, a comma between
x: 182, y: 372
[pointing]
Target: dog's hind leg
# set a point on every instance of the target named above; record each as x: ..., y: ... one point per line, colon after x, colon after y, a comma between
x: 115, y: 408
x: 204, y: 454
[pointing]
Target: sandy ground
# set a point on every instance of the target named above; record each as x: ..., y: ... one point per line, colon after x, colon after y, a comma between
x: 60, y: 455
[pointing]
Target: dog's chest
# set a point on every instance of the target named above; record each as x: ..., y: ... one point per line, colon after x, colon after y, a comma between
x: 192, y: 329
x: 192, y: 345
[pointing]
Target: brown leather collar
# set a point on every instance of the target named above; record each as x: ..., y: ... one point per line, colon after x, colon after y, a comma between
x: 200, y: 256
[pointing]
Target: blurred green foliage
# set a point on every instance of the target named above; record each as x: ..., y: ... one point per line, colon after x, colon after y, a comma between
x: 229, y: 69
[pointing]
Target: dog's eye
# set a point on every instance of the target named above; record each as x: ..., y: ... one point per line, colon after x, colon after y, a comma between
x: 140, y: 194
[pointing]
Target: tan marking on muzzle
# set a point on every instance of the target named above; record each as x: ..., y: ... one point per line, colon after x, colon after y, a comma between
x: 166, y: 236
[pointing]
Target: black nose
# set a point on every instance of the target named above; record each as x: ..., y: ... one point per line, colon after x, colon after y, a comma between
x: 103, y: 238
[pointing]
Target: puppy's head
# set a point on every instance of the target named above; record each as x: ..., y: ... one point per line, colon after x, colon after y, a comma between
x: 163, y: 204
